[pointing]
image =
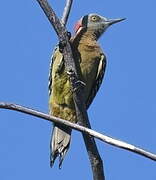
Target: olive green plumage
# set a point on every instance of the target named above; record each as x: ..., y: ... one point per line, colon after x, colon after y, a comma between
x: 88, y: 53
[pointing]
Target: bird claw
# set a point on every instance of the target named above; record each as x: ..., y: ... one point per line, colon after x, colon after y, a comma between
x: 79, y: 84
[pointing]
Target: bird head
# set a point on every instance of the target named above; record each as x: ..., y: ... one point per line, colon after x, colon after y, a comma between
x: 94, y: 23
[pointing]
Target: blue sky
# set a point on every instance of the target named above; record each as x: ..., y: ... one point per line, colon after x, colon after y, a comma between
x: 125, y: 106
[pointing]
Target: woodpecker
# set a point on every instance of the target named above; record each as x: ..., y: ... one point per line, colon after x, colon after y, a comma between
x: 89, y: 54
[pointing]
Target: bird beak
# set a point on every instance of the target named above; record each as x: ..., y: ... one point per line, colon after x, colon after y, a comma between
x: 113, y: 21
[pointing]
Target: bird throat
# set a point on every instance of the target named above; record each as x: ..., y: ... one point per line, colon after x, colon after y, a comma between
x: 88, y: 36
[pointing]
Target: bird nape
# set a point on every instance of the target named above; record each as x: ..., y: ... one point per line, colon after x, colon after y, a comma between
x: 87, y: 52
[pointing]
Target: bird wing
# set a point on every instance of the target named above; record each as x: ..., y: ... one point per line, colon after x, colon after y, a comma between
x: 98, y: 80
x: 56, y: 54
x: 50, y: 70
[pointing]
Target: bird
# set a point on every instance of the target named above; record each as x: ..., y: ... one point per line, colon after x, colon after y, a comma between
x: 92, y: 60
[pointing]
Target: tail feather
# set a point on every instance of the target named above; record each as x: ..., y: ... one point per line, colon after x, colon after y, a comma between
x: 59, y: 145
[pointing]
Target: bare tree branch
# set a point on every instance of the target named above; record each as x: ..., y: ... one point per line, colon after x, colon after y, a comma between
x: 62, y: 34
x: 66, y: 11
x: 90, y: 132
x: 95, y: 159
x: 82, y: 116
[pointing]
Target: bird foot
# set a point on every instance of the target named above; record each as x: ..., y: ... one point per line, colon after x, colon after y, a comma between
x: 77, y: 84
x: 80, y: 83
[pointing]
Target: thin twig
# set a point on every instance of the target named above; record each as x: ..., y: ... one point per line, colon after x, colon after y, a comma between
x: 95, y: 159
x: 66, y: 12
x: 102, y: 137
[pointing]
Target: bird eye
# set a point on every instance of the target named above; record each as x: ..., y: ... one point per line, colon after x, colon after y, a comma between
x: 94, y: 18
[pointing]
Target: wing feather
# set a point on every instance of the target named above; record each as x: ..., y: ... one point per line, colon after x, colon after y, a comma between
x: 97, y: 83
x: 56, y: 53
